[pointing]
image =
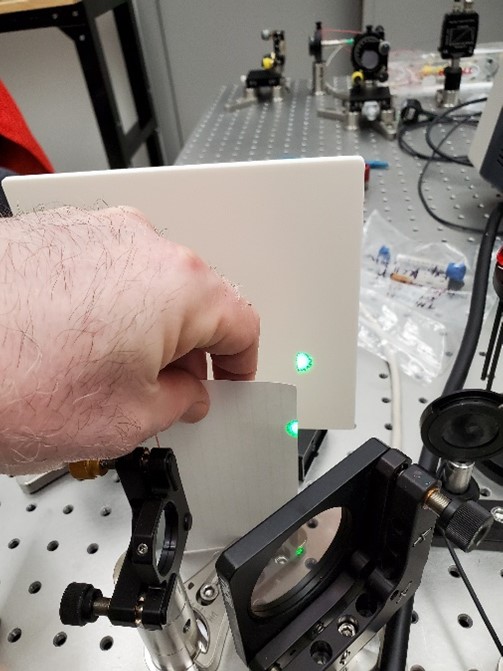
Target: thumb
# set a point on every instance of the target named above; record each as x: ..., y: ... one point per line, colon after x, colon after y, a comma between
x: 180, y: 396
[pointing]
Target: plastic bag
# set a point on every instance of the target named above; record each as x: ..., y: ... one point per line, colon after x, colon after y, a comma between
x: 414, y: 296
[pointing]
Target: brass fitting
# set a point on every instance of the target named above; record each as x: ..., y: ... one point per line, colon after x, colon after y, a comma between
x: 87, y: 470
x: 436, y: 501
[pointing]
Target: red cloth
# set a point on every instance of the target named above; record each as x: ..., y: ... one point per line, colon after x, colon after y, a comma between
x: 19, y: 151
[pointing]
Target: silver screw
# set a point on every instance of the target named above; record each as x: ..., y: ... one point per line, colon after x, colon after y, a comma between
x: 208, y: 592
x: 347, y: 629
x: 497, y: 513
x: 281, y: 560
x: 142, y: 549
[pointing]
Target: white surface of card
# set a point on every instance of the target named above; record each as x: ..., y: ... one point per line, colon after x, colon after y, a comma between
x: 238, y: 465
x: 286, y: 232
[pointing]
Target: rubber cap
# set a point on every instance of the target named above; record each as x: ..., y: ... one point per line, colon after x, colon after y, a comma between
x: 76, y: 607
x: 456, y: 271
x: 357, y: 77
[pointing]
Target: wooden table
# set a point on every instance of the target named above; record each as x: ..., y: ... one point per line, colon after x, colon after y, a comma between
x: 7, y: 6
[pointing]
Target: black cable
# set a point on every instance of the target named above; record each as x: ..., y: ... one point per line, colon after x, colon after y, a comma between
x: 420, y: 181
x: 474, y: 596
x: 395, y: 656
x: 403, y: 129
x: 444, y: 157
x: 461, y: 366
x: 494, y: 362
x: 437, y: 154
x: 448, y: 114
x: 492, y: 339
x: 394, y: 647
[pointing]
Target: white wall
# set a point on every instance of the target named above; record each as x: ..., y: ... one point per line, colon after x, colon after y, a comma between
x: 42, y: 72
x: 192, y: 48
x: 40, y: 69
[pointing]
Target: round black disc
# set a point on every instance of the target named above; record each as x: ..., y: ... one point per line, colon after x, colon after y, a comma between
x: 464, y: 426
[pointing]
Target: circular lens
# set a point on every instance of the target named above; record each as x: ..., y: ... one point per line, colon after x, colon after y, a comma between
x: 369, y: 59
x: 166, y: 539
x: 471, y: 430
x: 295, y: 560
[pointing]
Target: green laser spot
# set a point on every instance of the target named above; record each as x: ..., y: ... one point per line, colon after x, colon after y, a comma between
x: 292, y: 428
x: 303, y: 362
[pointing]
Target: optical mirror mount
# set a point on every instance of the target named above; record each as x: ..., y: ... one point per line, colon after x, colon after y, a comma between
x: 372, y: 565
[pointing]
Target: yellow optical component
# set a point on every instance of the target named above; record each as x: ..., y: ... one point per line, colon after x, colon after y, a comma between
x: 268, y: 62
x: 357, y: 77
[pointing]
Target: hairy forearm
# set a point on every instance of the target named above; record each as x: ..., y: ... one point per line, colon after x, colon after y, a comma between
x: 61, y: 347
x: 104, y: 332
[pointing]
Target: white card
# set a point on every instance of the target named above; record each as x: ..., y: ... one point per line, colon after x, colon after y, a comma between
x: 239, y: 464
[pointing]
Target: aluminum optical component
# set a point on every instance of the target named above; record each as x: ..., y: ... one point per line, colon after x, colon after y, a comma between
x: 456, y: 476
x: 177, y: 644
x: 172, y: 619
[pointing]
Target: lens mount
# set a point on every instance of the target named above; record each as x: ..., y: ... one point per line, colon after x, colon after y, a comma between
x: 464, y: 426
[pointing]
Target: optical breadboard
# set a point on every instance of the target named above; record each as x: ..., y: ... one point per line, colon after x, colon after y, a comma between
x: 90, y: 521
x: 286, y: 232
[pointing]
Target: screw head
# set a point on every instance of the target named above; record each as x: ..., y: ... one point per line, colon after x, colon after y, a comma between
x: 142, y: 549
x: 281, y: 559
x: 208, y: 593
x: 497, y: 513
x: 347, y: 629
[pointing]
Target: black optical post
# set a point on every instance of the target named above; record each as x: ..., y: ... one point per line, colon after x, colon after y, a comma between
x: 458, y: 39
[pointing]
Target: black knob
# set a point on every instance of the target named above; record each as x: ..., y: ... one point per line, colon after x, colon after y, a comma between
x: 77, y: 603
x: 466, y: 524
x: 384, y: 48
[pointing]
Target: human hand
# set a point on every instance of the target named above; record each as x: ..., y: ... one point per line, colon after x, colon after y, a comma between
x: 104, y: 331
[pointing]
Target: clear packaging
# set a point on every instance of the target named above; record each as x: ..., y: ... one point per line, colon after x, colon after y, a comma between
x: 415, y: 73
x: 421, y: 317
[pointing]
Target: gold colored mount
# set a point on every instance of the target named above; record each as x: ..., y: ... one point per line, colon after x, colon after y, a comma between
x: 436, y: 501
x: 87, y: 470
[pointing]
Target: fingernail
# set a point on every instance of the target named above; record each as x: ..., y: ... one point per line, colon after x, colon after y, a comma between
x: 195, y: 413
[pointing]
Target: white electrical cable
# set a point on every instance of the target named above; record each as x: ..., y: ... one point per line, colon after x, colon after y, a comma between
x: 333, y: 55
x: 394, y: 374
